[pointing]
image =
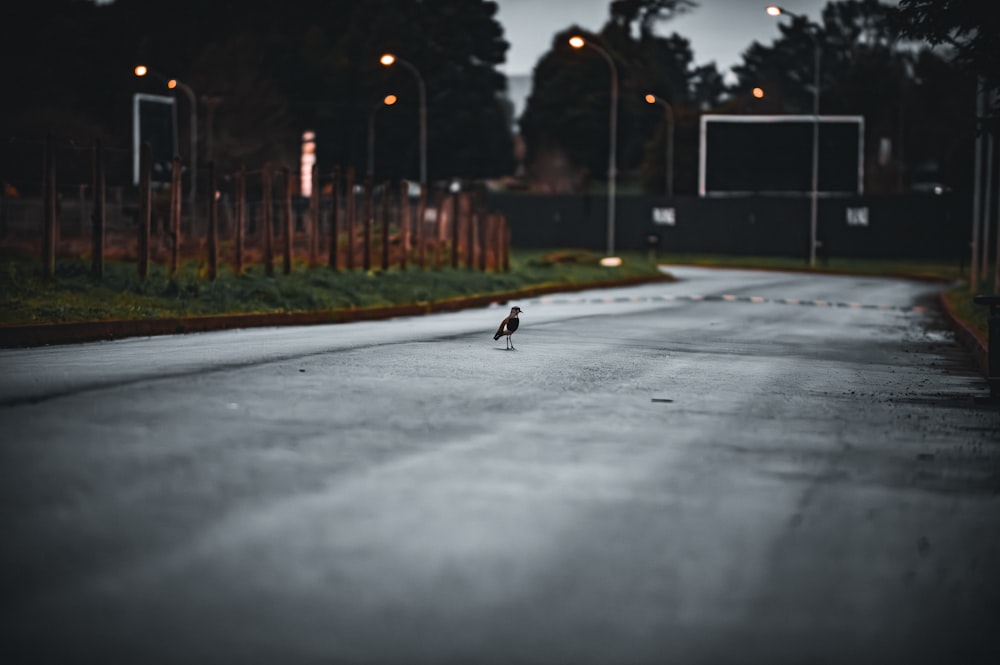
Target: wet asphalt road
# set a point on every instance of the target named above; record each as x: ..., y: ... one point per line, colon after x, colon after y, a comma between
x: 742, y: 467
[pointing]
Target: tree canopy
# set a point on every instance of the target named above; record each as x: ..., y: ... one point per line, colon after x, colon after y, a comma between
x: 264, y: 72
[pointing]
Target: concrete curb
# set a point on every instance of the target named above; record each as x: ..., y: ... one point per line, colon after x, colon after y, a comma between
x: 970, y: 338
x: 90, y: 331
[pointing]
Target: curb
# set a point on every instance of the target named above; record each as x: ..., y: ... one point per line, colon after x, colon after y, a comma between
x: 43, y: 334
x: 970, y: 338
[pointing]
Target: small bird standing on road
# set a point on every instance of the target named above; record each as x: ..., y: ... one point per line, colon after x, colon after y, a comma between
x: 508, y: 326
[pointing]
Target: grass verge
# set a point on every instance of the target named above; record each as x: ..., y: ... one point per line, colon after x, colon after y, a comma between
x: 72, y: 295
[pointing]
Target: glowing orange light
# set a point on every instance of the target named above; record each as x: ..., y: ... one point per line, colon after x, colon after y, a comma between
x: 758, y: 93
x: 387, y: 59
x: 773, y: 10
x: 389, y: 100
x: 141, y: 70
x: 576, y: 41
x: 650, y: 99
x: 172, y: 83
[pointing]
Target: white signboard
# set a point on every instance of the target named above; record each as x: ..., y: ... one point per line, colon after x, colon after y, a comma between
x: 665, y: 216
x: 857, y: 216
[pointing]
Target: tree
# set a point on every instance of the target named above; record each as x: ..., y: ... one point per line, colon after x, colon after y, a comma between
x: 867, y: 71
x: 970, y: 27
x: 269, y: 71
x: 565, y: 122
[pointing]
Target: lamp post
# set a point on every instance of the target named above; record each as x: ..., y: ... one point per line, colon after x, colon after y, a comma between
x: 173, y: 84
x: 388, y: 100
x: 774, y: 10
x: 653, y: 99
x: 388, y: 60
x: 578, y: 42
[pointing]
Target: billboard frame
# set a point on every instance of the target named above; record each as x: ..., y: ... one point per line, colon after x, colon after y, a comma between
x: 787, y: 119
x: 137, y: 99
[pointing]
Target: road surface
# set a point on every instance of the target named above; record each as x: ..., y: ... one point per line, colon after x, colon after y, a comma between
x: 740, y: 467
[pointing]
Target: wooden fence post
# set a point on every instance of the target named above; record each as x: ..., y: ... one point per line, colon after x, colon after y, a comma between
x: 314, y: 225
x: 335, y: 221
x: 455, y: 228
x: 441, y: 199
x: 421, y: 222
x: 176, y: 206
x: 145, y: 205
x: 213, y: 225
x: 98, y: 217
x: 49, y: 190
x: 286, y: 218
x: 3, y: 209
x: 352, y: 221
x: 268, y: 203
x: 241, y: 215
x: 404, y: 222
x: 482, y: 237
x: 386, y: 211
x: 469, y: 217
x: 366, y: 256
x: 505, y: 240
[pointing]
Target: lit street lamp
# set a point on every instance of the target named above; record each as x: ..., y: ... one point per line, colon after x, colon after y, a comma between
x: 579, y: 42
x: 389, y: 100
x: 388, y: 60
x: 143, y: 70
x: 774, y: 10
x: 653, y: 99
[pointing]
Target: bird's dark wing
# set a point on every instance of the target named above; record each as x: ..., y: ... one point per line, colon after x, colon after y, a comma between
x: 500, y: 329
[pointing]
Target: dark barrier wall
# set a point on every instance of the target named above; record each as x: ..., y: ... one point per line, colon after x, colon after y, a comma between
x: 917, y: 226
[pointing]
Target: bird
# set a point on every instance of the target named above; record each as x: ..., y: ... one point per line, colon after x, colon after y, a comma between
x: 508, y: 326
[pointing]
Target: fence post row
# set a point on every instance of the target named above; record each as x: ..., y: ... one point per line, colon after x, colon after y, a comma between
x: 286, y: 218
x: 241, y: 216
x: 268, y: 220
x: 145, y: 205
x: 98, y: 218
x: 399, y: 221
x: 49, y: 195
x: 351, y: 218
x: 213, y: 225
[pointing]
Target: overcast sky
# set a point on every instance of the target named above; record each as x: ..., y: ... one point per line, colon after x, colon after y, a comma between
x: 719, y: 30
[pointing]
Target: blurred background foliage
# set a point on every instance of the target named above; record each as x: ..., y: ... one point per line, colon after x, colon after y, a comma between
x: 265, y: 72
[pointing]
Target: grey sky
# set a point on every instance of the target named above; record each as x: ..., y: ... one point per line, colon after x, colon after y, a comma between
x: 719, y: 30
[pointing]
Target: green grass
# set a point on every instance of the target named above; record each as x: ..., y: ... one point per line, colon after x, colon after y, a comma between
x: 73, y: 295
x: 970, y: 313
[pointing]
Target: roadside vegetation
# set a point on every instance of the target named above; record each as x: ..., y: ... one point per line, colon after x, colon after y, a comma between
x: 74, y: 295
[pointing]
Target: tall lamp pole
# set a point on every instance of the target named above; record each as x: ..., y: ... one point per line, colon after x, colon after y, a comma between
x: 579, y: 42
x: 388, y: 100
x: 653, y: 99
x: 173, y: 84
x: 774, y: 10
x: 388, y: 60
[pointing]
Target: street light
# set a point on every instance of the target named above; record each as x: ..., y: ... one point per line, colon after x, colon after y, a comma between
x: 579, y: 42
x: 653, y: 99
x: 173, y: 84
x: 774, y: 10
x: 388, y: 100
x: 388, y: 60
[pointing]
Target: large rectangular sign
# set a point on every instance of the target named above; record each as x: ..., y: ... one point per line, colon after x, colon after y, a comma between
x: 773, y: 154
